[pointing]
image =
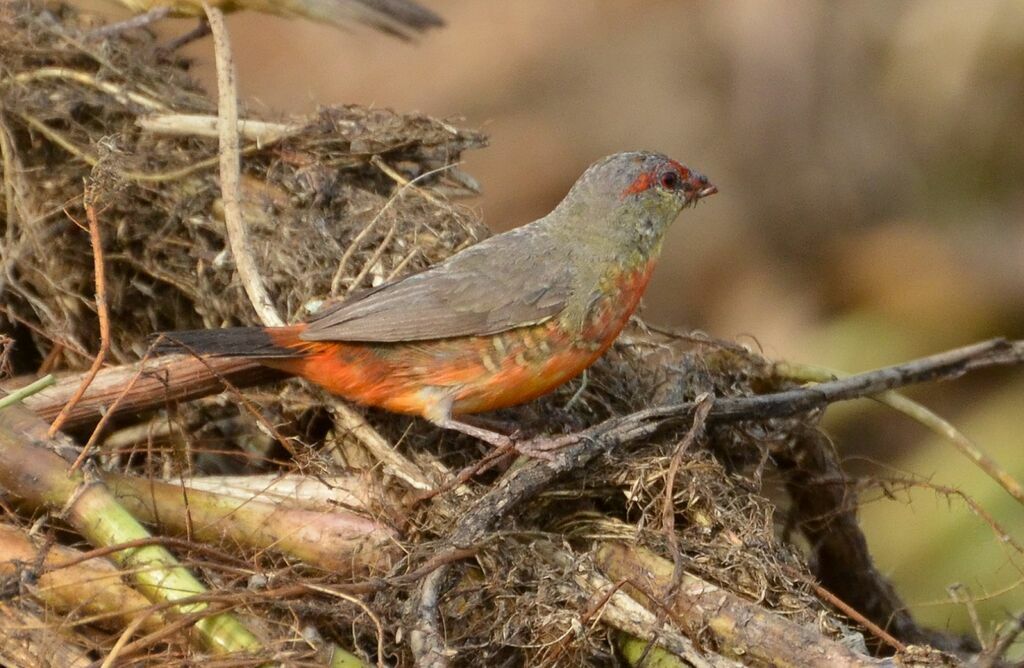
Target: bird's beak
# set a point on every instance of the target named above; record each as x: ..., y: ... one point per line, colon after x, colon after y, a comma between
x: 699, y: 187
x: 709, y: 189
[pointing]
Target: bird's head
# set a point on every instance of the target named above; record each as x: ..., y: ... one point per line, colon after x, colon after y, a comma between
x: 634, y: 196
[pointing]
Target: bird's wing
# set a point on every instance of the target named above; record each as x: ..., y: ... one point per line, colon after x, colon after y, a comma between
x: 400, y: 18
x: 504, y: 282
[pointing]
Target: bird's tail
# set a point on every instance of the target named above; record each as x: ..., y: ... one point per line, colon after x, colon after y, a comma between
x: 262, y: 342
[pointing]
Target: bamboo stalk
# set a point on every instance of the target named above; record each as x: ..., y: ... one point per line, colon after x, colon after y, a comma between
x: 338, y: 540
x: 38, y: 475
x: 92, y: 590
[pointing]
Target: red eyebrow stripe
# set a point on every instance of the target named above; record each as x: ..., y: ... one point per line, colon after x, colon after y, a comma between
x: 648, y: 179
x: 639, y: 184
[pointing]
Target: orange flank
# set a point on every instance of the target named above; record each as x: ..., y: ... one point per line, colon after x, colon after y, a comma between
x: 479, y: 374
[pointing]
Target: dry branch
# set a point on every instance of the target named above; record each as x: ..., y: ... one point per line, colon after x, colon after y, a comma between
x: 580, y: 448
x: 102, y: 312
x: 151, y: 385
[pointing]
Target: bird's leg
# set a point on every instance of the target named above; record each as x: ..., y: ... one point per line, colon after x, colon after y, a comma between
x: 200, y: 31
x: 441, y: 415
x: 140, y: 21
x: 493, y: 438
x: 538, y: 448
x: 491, y: 424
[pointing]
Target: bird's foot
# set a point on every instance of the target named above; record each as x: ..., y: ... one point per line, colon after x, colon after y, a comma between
x: 543, y: 447
x: 535, y: 448
x: 200, y: 31
x: 140, y: 21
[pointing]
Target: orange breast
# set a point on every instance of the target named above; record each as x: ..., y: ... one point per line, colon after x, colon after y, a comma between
x: 477, y: 373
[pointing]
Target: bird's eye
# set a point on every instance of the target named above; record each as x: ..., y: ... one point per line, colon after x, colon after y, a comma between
x: 670, y: 180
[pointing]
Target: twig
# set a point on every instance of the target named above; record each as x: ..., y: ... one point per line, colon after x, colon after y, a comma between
x: 138, y: 21
x: 929, y: 419
x: 852, y: 613
x: 481, y: 465
x: 251, y: 407
x: 264, y: 133
x: 339, y: 273
x: 365, y: 608
x: 668, y: 509
x: 1002, y: 644
x: 345, y: 417
x: 379, y: 163
x: 120, y: 94
x: 961, y: 595
x: 144, y: 177
x: 371, y: 262
x: 581, y: 448
x: 98, y: 429
x: 122, y: 640
x: 101, y: 312
x: 230, y: 173
x: 27, y: 391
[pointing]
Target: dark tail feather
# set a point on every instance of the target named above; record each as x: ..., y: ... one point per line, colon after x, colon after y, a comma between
x: 231, y: 342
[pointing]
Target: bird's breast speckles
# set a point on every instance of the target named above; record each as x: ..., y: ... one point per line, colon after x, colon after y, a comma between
x: 616, y: 300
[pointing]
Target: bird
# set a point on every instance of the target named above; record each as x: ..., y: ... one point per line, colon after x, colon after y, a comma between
x: 497, y: 324
x: 399, y: 18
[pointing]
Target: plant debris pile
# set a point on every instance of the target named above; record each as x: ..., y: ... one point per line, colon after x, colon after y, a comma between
x: 339, y: 202
x: 314, y: 204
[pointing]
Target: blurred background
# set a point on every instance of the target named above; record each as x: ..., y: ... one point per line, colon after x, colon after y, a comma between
x: 870, y: 161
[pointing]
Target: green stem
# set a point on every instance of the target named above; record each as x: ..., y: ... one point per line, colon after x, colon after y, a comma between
x: 35, y: 386
x: 31, y: 469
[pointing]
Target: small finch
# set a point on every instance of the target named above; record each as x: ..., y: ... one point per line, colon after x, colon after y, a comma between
x: 499, y: 323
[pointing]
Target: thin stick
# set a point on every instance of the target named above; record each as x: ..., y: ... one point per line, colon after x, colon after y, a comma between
x: 101, y: 312
x: 230, y: 173
x: 91, y: 160
x: 27, y: 391
x: 348, y: 419
x: 98, y: 429
x: 668, y: 513
x: 926, y: 417
x: 120, y: 94
x: 264, y: 133
x: 393, y: 174
x: 339, y: 273
x: 852, y: 613
x: 365, y: 608
x: 122, y: 640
